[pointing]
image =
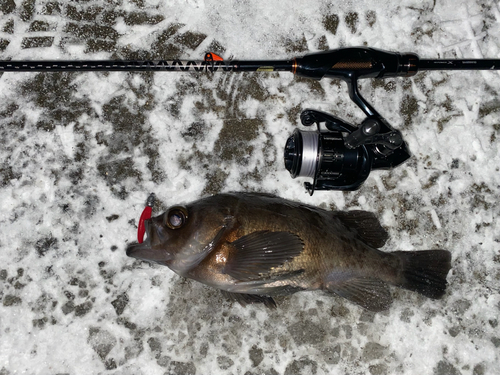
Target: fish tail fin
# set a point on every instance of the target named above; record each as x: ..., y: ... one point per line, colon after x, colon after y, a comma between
x: 425, y: 271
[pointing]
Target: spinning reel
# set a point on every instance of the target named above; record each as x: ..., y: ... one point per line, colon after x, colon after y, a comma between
x: 342, y: 157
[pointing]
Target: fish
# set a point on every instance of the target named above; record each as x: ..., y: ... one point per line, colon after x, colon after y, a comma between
x: 255, y: 247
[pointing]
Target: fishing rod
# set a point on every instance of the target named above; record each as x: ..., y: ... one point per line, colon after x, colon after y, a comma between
x: 340, y: 158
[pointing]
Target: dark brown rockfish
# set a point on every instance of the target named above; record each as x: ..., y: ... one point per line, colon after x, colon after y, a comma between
x: 256, y: 246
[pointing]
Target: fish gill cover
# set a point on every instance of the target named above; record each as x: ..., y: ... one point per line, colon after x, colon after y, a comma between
x: 80, y: 152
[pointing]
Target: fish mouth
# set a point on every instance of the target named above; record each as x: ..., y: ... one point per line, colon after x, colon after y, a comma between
x: 150, y: 249
x: 138, y: 250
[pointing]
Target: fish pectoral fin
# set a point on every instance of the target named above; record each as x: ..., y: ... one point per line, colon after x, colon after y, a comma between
x: 256, y: 254
x: 372, y: 294
x: 366, y: 225
x: 245, y: 299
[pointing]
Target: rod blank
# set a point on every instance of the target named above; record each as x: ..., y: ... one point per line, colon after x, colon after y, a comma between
x: 459, y: 64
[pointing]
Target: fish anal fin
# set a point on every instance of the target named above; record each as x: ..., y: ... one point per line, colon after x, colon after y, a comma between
x: 245, y: 299
x: 366, y: 225
x: 372, y: 294
x: 253, y: 256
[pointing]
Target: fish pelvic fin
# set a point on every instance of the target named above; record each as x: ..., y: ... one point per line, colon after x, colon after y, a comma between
x: 425, y: 271
x: 366, y: 225
x: 245, y: 299
x: 372, y: 294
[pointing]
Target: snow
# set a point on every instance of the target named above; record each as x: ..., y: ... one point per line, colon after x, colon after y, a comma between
x: 80, y: 153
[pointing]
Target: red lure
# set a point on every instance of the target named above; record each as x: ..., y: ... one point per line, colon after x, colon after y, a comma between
x: 146, y: 214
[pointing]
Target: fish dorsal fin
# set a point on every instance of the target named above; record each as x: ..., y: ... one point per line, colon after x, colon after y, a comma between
x: 372, y: 294
x: 366, y: 226
x: 257, y: 253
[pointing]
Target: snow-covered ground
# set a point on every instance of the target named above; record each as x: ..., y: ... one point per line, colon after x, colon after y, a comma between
x: 80, y: 152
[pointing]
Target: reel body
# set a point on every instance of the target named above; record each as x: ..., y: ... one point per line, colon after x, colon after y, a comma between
x: 342, y: 156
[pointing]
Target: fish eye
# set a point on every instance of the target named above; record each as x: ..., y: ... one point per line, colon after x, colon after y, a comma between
x: 176, y: 217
